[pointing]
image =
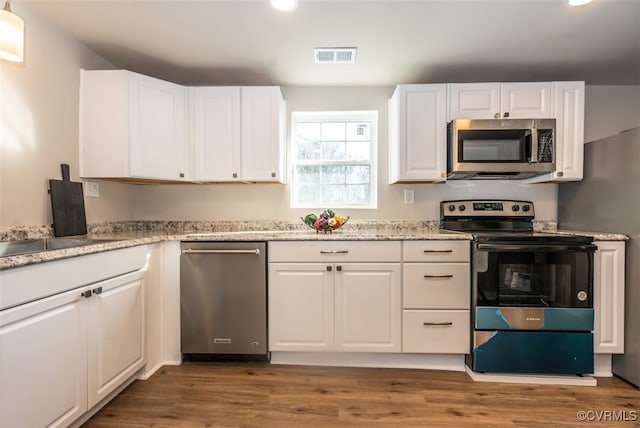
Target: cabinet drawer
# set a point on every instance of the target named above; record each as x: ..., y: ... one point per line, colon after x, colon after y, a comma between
x: 335, y: 251
x: 436, y: 251
x: 435, y: 332
x: 436, y: 286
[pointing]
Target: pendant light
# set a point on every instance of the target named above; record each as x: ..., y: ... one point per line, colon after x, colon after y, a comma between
x: 11, y: 35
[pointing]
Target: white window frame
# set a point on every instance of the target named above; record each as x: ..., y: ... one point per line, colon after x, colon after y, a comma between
x: 336, y: 116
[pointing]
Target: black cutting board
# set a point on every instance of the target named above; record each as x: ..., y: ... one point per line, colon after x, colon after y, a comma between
x: 67, y: 206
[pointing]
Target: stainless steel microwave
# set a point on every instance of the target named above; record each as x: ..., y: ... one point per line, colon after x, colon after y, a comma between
x: 500, y: 148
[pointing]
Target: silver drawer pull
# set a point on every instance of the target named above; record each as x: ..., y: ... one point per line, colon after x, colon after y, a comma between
x: 438, y: 251
x: 334, y: 251
x: 439, y: 276
x: 190, y: 251
x: 444, y: 323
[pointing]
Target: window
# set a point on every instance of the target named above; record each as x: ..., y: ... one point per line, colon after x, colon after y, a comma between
x: 334, y: 159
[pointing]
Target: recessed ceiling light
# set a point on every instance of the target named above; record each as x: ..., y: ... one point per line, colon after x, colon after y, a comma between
x: 284, y: 5
x: 579, y: 2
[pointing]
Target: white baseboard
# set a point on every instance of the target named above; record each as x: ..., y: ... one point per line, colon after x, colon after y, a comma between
x: 147, y: 373
x: 602, y: 365
x: 345, y: 359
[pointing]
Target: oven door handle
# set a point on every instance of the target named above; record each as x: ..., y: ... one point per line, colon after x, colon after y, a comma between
x: 535, y: 247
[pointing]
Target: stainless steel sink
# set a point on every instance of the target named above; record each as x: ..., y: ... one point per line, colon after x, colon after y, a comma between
x: 60, y: 243
x: 27, y: 246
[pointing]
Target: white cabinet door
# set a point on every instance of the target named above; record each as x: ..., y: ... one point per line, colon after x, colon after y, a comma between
x: 262, y: 149
x: 568, y: 107
x: 417, y: 133
x: 43, y: 362
x: 368, y: 307
x: 608, y: 299
x: 526, y: 100
x: 116, y: 334
x: 216, y: 139
x: 474, y: 101
x: 301, y: 307
x: 157, y: 129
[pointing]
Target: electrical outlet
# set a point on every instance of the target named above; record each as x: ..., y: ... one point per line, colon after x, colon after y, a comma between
x: 408, y: 196
x: 92, y: 189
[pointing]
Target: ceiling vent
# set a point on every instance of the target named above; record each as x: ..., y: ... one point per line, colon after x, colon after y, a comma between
x: 335, y: 55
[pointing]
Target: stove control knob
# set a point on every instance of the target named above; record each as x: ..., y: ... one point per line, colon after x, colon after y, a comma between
x: 515, y: 208
x: 462, y: 207
x: 451, y: 207
x: 526, y: 208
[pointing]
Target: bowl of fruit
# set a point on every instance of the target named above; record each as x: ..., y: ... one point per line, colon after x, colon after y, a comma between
x: 327, y: 221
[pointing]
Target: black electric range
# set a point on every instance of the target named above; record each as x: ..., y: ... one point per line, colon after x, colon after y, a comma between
x: 531, y: 292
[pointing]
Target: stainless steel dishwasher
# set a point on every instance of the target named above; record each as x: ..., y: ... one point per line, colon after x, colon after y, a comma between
x: 223, y: 300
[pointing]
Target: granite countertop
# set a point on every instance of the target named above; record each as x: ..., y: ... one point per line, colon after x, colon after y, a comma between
x: 142, y: 233
x: 597, y: 236
x: 233, y: 231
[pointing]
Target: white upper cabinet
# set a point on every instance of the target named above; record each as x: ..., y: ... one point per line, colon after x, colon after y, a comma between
x: 132, y: 126
x: 522, y: 100
x: 238, y: 133
x: 216, y: 137
x: 263, y: 134
x: 568, y: 109
x: 474, y: 100
x: 138, y: 128
x: 417, y: 133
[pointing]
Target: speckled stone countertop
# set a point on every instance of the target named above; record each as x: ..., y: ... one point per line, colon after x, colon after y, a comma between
x: 597, y: 236
x: 129, y: 234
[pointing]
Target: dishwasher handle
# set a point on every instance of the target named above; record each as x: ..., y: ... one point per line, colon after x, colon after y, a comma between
x: 255, y: 251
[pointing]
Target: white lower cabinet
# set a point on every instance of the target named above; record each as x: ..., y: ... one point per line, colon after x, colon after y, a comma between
x: 367, y: 307
x: 436, y: 297
x: 43, y: 362
x: 61, y: 355
x: 116, y: 334
x: 436, y: 331
x: 608, y: 299
x: 300, y: 307
x: 335, y: 305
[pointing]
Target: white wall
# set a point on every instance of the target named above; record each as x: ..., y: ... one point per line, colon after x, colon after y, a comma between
x: 271, y: 201
x: 39, y: 126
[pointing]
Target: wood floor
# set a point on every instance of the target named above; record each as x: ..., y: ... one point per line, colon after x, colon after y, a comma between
x: 263, y: 395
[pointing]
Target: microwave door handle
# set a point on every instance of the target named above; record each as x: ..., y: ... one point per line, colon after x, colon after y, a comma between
x: 534, y: 145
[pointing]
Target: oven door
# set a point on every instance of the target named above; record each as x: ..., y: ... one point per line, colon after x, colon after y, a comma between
x: 525, y: 286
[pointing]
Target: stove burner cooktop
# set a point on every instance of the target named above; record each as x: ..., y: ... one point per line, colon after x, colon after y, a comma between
x: 498, y: 220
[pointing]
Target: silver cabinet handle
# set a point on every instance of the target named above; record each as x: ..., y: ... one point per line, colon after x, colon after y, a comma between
x: 438, y: 251
x: 444, y: 323
x: 334, y: 251
x: 439, y: 276
x: 97, y: 290
x: 255, y: 251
